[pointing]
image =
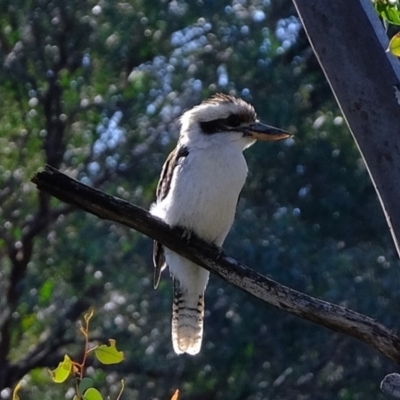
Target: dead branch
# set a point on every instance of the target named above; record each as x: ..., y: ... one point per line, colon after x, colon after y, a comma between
x: 332, y: 316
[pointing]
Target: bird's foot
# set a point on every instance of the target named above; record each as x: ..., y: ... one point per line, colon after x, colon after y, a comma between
x: 219, y: 251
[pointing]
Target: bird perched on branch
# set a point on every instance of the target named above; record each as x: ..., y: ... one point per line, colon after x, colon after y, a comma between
x: 198, y: 190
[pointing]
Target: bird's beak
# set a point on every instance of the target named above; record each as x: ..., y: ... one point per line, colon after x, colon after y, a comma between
x: 260, y: 131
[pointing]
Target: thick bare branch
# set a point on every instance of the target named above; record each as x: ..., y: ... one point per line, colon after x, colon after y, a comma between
x: 329, y: 315
x: 349, y: 42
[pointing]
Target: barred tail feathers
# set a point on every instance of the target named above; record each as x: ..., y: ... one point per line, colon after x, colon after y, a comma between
x: 187, y: 320
x: 190, y: 282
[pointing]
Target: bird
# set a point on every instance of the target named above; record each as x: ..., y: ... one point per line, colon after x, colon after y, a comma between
x: 198, y: 190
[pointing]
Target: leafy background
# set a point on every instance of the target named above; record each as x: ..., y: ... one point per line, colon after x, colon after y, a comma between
x: 96, y: 89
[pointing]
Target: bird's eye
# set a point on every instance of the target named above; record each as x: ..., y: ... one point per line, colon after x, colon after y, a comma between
x: 233, y: 120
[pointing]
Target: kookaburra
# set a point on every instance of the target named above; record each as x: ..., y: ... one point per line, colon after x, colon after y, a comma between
x: 198, y: 190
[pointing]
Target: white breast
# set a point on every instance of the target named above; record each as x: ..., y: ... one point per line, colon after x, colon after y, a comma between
x: 205, y: 191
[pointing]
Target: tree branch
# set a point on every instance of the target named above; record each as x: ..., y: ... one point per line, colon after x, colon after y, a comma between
x: 364, y: 87
x: 337, y: 318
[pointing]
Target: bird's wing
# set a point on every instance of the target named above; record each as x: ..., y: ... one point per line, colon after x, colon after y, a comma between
x: 174, y: 159
x: 159, y: 262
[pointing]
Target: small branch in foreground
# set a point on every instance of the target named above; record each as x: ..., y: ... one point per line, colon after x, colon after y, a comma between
x: 337, y: 318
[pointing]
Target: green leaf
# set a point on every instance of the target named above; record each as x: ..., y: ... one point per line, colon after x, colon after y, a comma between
x: 394, y: 45
x: 389, y: 12
x: 85, y: 384
x: 63, y: 371
x: 92, y: 394
x: 109, y: 354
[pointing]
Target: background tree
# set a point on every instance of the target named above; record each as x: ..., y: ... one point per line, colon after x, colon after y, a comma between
x: 96, y: 89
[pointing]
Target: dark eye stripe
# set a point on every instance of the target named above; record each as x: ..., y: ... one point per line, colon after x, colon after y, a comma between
x: 233, y: 120
x: 219, y: 125
x: 210, y: 127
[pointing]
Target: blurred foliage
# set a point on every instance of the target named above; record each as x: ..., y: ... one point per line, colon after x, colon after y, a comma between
x: 96, y: 88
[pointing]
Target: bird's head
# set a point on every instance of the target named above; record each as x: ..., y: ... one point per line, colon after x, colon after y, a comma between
x: 229, y: 118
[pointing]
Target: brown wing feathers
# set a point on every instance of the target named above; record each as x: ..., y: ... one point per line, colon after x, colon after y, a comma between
x: 174, y: 159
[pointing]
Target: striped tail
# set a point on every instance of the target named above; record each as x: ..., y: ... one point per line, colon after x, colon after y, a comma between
x: 187, y: 320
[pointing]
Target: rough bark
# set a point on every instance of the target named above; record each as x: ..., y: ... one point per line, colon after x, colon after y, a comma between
x: 391, y: 385
x: 349, y: 42
x: 323, y: 313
